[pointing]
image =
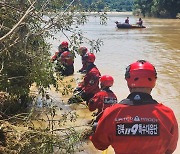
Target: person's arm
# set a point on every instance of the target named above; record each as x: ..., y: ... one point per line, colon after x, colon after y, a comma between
x: 173, y: 142
x: 101, y: 138
x: 54, y: 57
x: 93, y: 103
x: 81, y: 84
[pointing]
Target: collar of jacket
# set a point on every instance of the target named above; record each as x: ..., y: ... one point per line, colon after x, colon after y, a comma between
x: 91, y: 65
x: 107, y: 89
x: 139, y: 98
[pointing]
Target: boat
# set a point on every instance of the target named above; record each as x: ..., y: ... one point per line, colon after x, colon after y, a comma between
x: 127, y: 26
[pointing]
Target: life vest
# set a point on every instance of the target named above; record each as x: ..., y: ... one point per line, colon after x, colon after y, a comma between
x: 90, y: 84
x: 101, y: 100
x: 67, y: 58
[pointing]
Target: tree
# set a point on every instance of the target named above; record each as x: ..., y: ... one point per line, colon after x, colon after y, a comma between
x: 25, y: 27
x: 158, y: 8
x: 24, y: 50
x: 118, y: 5
x: 144, y: 6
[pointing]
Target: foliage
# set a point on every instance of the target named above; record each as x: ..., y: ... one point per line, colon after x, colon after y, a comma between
x: 25, y: 137
x: 25, y: 27
x: 24, y: 51
x: 119, y: 5
x: 158, y: 8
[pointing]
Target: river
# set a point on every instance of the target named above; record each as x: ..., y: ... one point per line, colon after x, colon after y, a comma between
x: 158, y: 43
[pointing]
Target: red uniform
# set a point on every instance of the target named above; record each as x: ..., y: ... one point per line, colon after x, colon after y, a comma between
x: 102, y: 100
x: 58, y: 54
x: 67, y: 58
x: 67, y: 61
x: 54, y: 57
x: 137, y: 125
x: 61, y: 48
x: 90, y: 84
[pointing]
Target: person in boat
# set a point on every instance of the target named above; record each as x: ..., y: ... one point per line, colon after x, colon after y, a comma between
x: 127, y: 20
x: 138, y: 124
x: 90, y: 84
x: 117, y: 22
x: 82, y: 52
x: 140, y: 22
x: 61, y: 48
x: 104, y: 98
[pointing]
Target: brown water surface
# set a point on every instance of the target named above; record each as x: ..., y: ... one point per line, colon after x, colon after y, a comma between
x: 159, y: 43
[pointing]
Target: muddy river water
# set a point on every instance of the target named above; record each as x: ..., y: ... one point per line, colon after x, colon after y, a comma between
x: 159, y: 43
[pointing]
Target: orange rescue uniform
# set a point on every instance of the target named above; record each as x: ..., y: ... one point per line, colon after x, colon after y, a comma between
x: 137, y: 125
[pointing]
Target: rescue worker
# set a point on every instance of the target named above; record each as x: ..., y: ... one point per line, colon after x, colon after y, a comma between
x: 140, y: 22
x: 127, y: 20
x: 90, y: 84
x: 61, y: 48
x: 82, y: 52
x: 104, y: 98
x: 138, y: 124
x: 67, y: 62
x: 65, y: 59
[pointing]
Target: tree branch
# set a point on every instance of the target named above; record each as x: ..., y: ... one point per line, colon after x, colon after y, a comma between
x: 2, y: 66
x: 19, y: 22
x: 68, y: 6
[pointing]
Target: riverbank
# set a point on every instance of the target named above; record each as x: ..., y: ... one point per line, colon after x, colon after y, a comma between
x: 50, y: 123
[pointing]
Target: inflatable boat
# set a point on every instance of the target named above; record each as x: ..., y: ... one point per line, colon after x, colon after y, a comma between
x: 127, y: 26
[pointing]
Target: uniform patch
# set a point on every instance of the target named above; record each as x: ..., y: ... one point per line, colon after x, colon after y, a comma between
x: 108, y: 100
x: 137, y: 129
x: 91, y: 82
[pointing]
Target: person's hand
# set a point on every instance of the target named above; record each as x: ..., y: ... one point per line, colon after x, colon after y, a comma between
x: 78, y: 89
x: 86, y: 134
x: 83, y: 95
x: 80, y: 71
x: 52, y: 60
x: 84, y: 71
x: 94, y: 126
x: 94, y: 114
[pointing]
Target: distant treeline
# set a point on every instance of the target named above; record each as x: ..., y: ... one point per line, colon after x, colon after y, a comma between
x: 157, y: 8
x: 109, y: 5
x: 93, y: 5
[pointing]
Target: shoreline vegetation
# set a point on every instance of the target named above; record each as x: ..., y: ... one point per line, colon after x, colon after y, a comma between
x: 128, y: 13
x: 109, y: 13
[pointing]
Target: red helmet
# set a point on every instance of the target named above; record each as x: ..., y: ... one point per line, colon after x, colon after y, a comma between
x: 89, y: 57
x: 107, y: 80
x: 64, y: 44
x: 141, y: 74
x: 83, y: 50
